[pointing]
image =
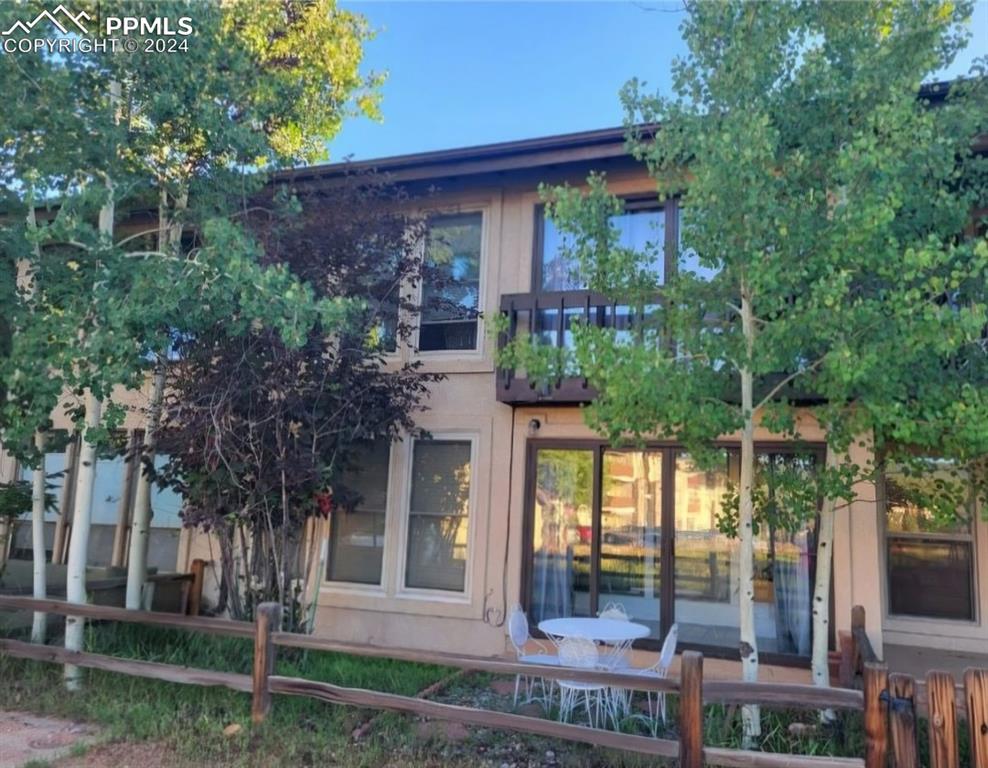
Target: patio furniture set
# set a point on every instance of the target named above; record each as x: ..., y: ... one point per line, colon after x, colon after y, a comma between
x: 600, y: 643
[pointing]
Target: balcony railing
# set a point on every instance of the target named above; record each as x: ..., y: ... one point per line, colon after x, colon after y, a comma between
x: 550, y: 317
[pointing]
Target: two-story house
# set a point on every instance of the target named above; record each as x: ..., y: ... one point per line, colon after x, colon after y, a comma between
x: 512, y: 499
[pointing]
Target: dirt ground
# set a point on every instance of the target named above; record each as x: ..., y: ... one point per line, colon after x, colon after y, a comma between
x: 124, y: 755
x: 25, y: 737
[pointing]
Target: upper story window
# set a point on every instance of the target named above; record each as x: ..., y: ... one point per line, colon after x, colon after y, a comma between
x: 930, y: 559
x: 642, y: 227
x: 451, y: 284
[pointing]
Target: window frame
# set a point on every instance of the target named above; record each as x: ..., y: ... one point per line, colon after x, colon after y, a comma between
x: 970, y: 537
x: 404, y: 529
x: 478, y: 346
x: 632, y: 204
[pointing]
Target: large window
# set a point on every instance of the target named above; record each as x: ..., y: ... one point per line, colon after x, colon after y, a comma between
x: 451, y: 284
x: 356, y: 532
x: 114, y: 492
x: 643, y: 528
x: 930, y: 556
x: 640, y: 227
x: 439, y: 515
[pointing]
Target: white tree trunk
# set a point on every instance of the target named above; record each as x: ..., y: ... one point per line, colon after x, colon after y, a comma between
x: 137, y: 564
x: 821, y: 592
x: 750, y: 714
x: 75, y: 588
x: 40, y: 624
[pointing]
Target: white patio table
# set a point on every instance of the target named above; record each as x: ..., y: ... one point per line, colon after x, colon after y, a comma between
x: 615, y: 633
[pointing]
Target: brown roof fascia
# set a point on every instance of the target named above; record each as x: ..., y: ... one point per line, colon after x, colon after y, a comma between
x: 586, y: 146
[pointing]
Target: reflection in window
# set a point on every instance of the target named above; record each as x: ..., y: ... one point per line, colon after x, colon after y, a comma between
x: 930, y: 558
x: 689, y: 259
x: 438, y: 516
x: 708, y: 566
x: 631, y: 534
x: 384, y: 298
x: 640, y: 230
x: 451, y: 283
x: 706, y: 571
x: 356, y: 532
x: 109, y: 486
x: 562, y: 534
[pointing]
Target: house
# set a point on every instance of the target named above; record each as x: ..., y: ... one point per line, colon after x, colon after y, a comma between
x: 512, y: 499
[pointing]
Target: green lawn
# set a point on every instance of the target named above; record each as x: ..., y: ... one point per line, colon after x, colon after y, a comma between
x: 190, y: 720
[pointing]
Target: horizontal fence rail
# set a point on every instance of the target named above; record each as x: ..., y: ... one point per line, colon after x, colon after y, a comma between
x: 889, y: 703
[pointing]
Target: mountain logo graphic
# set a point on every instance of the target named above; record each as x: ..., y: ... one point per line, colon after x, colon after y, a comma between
x: 62, y: 26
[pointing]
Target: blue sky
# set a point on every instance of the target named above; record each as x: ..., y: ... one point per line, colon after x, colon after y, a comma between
x: 464, y: 73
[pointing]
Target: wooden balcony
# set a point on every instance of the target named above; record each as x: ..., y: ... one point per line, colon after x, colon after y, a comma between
x: 550, y: 316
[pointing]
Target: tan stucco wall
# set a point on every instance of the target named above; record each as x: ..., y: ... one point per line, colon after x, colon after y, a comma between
x: 465, y: 404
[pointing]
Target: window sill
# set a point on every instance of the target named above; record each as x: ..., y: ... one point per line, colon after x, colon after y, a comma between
x: 424, y: 604
x: 920, y: 625
x: 351, y: 588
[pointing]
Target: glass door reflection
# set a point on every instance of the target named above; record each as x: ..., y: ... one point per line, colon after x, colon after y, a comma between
x: 562, y: 534
x: 706, y: 561
x: 631, y: 535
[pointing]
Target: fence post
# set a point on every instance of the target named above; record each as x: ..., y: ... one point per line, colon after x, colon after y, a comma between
x: 876, y: 715
x: 943, y: 720
x: 198, y: 571
x: 902, y: 715
x: 845, y: 674
x: 857, y: 623
x: 976, y: 694
x: 266, y: 620
x: 691, y: 710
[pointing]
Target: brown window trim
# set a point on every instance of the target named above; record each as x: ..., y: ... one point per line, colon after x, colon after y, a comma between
x: 968, y: 537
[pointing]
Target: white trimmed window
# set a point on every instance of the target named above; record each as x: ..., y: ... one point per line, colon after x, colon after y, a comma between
x: 451, y: 284
x: 438, y: 530
x: 357, y: 527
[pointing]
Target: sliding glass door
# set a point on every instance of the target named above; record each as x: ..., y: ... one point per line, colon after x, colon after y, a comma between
x: 561, y: 534
x: 706, y: 561
x: 643, y: 528
x: 631, y: 535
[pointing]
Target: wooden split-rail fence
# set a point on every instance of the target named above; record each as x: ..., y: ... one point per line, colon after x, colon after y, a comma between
x: 889, y: 702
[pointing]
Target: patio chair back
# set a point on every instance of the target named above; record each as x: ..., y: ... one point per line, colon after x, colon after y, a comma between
x: 578, y: 652
x: 614, y: 611
x: 668, y: 650
x: 518, y: 629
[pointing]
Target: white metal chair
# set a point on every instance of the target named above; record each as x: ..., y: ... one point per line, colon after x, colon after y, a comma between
x: 659, y: 669
x: 614, y: 611
x: 580, y: 653
x: 520, y: 638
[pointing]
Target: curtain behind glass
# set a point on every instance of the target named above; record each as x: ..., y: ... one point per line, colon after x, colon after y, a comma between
x: 561, y: 535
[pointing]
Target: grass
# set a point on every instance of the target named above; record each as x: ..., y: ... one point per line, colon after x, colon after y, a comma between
x: 190, y: 720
